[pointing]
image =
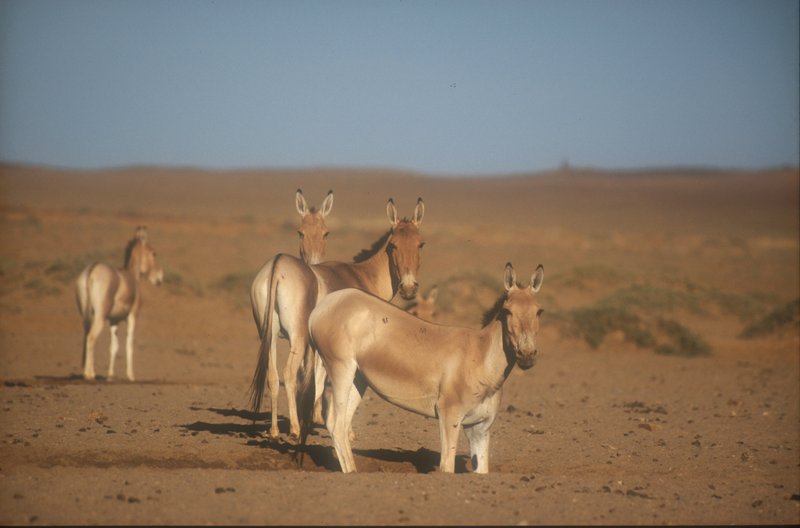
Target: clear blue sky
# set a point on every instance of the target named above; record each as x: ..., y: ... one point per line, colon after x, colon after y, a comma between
x: 445, y: 87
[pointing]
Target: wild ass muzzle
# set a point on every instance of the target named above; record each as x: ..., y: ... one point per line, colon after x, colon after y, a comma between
x: 105, y: 293
x: 313, y: 231
x: 446, y: 372
x: 285, y: 291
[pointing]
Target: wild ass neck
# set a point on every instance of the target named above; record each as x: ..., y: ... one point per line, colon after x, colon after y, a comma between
x: 380, y: 273
x: 499, y: 357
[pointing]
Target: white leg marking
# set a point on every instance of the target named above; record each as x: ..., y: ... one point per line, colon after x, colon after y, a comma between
x: 478, y: 436
x: 114, y: 350
x: 129, y: 346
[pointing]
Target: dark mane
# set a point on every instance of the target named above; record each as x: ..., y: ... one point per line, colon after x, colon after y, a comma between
x: 129, y: 250
x: 367, y: 253
x: 492, y: 313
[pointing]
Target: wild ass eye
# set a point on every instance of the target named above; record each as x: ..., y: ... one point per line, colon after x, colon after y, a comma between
x: 421, y: 245
x: 301, y: 234
x: 325, y: 236
x: 539, y: 312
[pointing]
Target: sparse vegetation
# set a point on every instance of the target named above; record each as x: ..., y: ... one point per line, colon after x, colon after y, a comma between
x: 582, y: 277
x: 237, y: 285
x: 594, y: 323
x: 38, y: 286
x: 66, y: 269
x: 780, y: 319
x: 684, y: 342
x: 465, y: 296
x: 175, y: 283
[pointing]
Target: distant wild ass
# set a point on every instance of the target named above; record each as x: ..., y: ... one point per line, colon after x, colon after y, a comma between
x: 312, y: 231
x: 285, y: 291
x: 424, y: 307
x: 105, y: 293
x: 446, y: 372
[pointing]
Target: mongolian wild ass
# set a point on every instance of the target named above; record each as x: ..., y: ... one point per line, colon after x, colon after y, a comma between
x: 312, y: 231
x: 107, y: 293
x: 424, y: 307
x: 445, y: 372
x: 285, y: 291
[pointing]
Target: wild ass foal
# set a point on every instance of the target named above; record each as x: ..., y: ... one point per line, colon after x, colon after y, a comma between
x: 105, y: 293
x: 285, y: 291
x: 451, y: 373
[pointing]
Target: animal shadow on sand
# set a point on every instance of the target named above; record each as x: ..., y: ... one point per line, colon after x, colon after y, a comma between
x: 257, y: 426
x: 422, y: 460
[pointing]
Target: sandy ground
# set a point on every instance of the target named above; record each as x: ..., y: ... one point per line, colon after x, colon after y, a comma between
x: 614, y: 433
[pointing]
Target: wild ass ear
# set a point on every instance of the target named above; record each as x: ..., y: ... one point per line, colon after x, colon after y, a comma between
x: 327, y: 205
x: 419, y: 211
x: 537, y: 278
x: 391, y: 212
x: 300, y: 203
x: 141, y: 233
x: 509, y: 277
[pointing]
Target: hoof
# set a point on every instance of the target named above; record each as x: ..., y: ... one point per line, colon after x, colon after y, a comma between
x: 88, y: 376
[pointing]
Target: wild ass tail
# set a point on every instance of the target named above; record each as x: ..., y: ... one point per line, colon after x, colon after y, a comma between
x: 260, y: 375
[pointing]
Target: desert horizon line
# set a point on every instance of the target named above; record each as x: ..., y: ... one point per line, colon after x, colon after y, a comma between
x: 565, y: 167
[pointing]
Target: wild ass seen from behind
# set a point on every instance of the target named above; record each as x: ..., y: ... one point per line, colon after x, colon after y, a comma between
x: 313, y: 231
x: 446, y: 372
x: 285, y: 291
x: 105, y: 293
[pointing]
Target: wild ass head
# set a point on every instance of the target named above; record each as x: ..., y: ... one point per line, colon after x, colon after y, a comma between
x: 520, y: 316
x: 140, y: 258
x: 313, y: 231
x: 404, y: 246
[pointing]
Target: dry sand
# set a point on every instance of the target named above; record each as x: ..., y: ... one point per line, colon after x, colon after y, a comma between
x: 614, y: 433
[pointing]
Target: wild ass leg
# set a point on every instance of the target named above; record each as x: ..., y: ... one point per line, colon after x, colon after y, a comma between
x: 88, y: 351
x: 273, y: 382
x: 114, y: 350
x: 297, y: 350
x: 131, y: 324
x: 319, y: 388
x: 359, y: 388
x: 449, y: 424
x: 478, y: 436
x: 342, y: 382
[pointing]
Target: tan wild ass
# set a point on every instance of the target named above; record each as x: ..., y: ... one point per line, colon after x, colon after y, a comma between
x: 312, y: 231
x: 424, y: 307
x: 285, y: 291
x: 451, y: 373
x: 105, y: 293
